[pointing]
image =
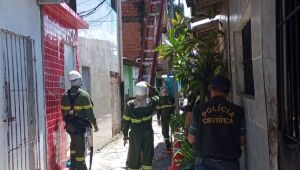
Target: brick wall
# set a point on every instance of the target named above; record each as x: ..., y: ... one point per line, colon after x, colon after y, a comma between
x: 55, y: 37
x: 133, y: 21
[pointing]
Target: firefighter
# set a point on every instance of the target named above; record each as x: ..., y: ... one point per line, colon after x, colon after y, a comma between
x: 77, y: 112
x: 138, y: 118
x: 165, y: 109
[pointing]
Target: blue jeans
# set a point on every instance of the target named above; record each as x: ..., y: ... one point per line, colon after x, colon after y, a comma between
x: 214, y: 164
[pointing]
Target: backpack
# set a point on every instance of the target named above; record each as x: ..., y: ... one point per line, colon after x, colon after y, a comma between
x: 75, y: 124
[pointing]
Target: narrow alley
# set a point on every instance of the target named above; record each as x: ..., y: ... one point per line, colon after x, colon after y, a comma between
x: 113, y: 155
x: 224, y: 75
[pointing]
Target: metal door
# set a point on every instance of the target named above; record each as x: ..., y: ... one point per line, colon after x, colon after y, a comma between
x: 21, y: 101
x: 70, y: 63
x: 86, y: 77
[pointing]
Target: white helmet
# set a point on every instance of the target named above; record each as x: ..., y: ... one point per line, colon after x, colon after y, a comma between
x: 74, y: 75
x: 141, y: 88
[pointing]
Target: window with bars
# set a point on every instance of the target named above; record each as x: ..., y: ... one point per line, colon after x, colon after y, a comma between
x: 288, y: 67
x: 247, y: 60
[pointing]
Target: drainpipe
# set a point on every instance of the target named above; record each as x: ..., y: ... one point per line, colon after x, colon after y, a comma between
x: 43, y: 144
x: 120, y: 53
x: 120, y: 38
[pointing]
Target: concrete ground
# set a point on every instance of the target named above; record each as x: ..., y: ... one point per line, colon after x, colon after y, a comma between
x: 113, y: 155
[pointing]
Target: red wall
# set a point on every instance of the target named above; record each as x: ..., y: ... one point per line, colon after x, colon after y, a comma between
x: 54, y: 38
x: 133, y: 12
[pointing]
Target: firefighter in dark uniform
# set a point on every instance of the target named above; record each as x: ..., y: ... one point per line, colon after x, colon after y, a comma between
x: 138, y: 118
x: 77, y: 111
x: 218, y: 129
x: 165, y: 108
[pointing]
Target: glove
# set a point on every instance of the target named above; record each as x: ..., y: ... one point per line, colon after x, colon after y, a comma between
x: 125, y: 139
x: 96, y: 129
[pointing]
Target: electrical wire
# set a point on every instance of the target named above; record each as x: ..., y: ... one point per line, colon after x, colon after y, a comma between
x: 101, y: 19
x: 92, y: 8
x: 83, y: 2
x: 89, y: 12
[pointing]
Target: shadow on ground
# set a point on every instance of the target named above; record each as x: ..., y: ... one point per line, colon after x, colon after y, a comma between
x: 160, y: 160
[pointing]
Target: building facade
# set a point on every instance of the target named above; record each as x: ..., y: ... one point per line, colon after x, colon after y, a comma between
x: 262, y: 51
x: 252, y: 54
x: 22, y: 127
x: 60, y: 24
x: 100, y: 58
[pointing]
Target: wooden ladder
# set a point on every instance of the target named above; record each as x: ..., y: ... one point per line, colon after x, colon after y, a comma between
x: 151, y: 39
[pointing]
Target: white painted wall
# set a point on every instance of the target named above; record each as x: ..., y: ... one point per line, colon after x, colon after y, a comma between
x: 103, y: 25
x: 23, y: 17
x: 135, y: 76
x: 258, y: 110
x: 99, y: 49
x: 2, y: 125
x: 96, y: 55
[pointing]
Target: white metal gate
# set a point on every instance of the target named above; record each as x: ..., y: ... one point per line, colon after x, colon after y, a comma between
x: 21, y: 101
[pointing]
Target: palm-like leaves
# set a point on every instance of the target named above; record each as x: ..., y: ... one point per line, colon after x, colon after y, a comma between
x: 193, y: 60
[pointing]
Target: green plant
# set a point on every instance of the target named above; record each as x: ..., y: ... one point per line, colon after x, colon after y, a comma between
x: 176, y: 122
x: 194, y: 59
x: 188, y: 152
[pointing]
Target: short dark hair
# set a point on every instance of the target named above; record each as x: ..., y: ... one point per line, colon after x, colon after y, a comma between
x: 220, y: 83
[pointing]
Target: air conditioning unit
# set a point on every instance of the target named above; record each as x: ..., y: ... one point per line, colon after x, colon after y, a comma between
x: 44, y: 2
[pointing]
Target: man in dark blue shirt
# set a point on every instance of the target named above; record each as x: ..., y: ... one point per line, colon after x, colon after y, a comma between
x: 218, y: 129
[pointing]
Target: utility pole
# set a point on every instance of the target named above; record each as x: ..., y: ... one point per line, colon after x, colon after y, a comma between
x: 120, y: 53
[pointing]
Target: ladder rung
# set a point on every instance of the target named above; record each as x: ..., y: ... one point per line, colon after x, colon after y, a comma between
x: 148, y: 58
x: 150, y: 26
x: 155, y: 2
x: 150, y: 38
x: 154, y: 14
x: 149, y: 51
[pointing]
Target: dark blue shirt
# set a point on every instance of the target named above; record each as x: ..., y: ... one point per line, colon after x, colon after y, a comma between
x: 218, y: 126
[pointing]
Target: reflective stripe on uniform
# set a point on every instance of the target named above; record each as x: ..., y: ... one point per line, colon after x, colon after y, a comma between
x: 166, y: 106
x: 83, y: 107
x: 132, y: 169
x: 127, y: 118
x: 166, y: 138
x: 67, y: 108
x: 146, y: 167
x: 136, y: 120
x: 72, y: 151
x: 143, y: 119
x: 157, y: 107
x: 80, y: 159
x: 147, y: 118
x: 156, y: 98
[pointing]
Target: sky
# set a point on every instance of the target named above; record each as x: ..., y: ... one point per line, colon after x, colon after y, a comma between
x: 187, y: 10
x: 102, y: 23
